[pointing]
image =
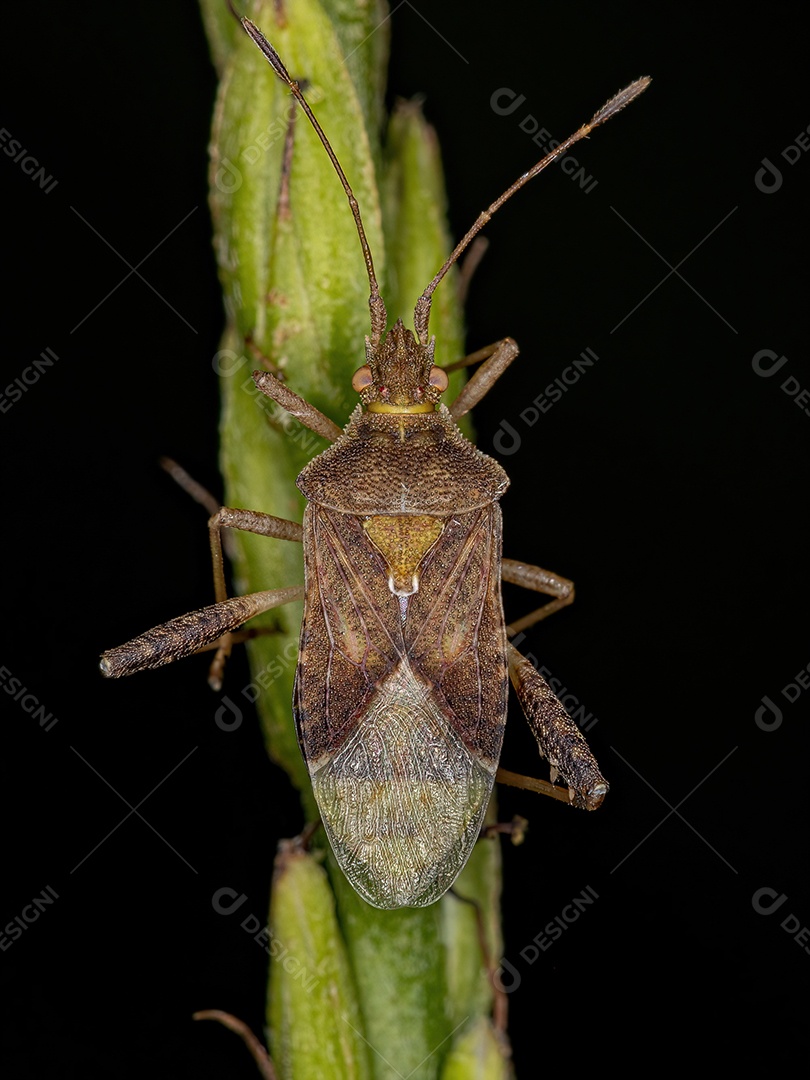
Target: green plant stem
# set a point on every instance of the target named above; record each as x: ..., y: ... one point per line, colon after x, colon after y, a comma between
x: 409, y: 990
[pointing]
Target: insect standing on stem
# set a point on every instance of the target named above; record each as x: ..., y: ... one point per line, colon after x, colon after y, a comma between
x: 404, y: 660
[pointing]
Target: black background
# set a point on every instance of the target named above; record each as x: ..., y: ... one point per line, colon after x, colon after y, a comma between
x: 669, y: 482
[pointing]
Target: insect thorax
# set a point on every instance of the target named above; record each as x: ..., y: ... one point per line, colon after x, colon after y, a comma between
x: 391, y: 464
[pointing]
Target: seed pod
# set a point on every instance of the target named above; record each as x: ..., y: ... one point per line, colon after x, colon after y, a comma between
x: 417, y: 237
x: 313, y: 1016
x: 470, y: 914
x: 478, y: 1054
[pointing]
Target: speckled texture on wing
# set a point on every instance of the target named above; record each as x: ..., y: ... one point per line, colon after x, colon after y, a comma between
x: 401, y: 721
x: 404, y: 799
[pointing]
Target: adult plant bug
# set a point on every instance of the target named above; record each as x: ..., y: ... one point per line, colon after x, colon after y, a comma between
x: 404, y: 660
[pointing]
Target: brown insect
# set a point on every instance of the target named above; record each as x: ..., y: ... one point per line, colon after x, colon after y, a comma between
x: 404, y: 663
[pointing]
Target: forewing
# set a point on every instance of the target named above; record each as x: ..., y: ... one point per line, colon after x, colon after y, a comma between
x: 454, y: 631
x: 351, y: 636
x: 400, y: 702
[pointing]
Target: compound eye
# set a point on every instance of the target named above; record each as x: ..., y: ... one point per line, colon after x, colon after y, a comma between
x: 438, y: 379
x: 362, y: 378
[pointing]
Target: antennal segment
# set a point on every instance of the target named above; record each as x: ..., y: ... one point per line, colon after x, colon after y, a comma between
x: 375, y: 302
x: 421, y: 315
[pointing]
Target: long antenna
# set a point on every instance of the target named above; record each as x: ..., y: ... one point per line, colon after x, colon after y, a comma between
x: 421, y: 315
x: 379, y: 315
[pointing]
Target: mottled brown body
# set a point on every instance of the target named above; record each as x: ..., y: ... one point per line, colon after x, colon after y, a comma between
x: 404, y: 664
x: 401, y: 685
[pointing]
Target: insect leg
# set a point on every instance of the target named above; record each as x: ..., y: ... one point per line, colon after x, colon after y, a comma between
x: 560, y: 740
x: 500, y: 1009
x: 198, y: 493
x: 191, y: 486
x: 248, y: 521
x: 222, y: 516
x: 192, y: 632
x: 265, y: 361
x: 497, y: 358
x: 239, y: 1027
x: 297, y: 406
x: 539, y: 580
